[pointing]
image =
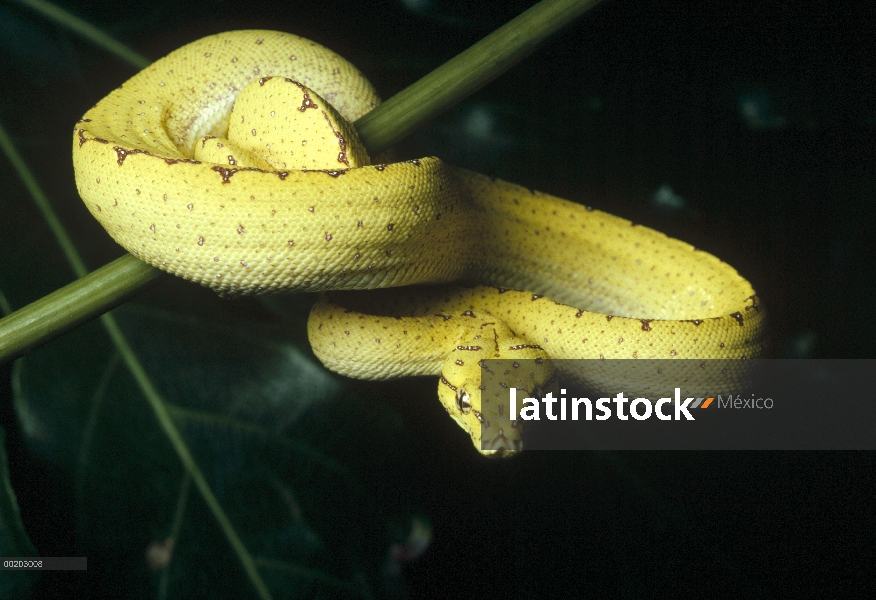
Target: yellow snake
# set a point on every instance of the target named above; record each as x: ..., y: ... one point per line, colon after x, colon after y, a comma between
x: 231, y: 162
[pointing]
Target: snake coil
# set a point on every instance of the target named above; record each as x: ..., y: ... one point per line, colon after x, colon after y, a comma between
x: 232, y: 162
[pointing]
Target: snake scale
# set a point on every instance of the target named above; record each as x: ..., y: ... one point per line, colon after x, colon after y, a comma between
x: 231, y: 162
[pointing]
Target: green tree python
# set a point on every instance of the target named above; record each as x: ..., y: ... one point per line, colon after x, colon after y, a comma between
x: 231, y: 162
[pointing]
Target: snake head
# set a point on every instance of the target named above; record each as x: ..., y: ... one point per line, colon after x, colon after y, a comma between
x: 475, y: 384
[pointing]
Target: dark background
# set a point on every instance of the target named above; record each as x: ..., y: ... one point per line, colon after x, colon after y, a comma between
x: 760, y: 118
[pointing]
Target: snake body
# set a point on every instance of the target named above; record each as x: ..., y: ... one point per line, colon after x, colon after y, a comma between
x: 231, y: 162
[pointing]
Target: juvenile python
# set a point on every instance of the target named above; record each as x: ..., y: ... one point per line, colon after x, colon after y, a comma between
x: 231, y: 162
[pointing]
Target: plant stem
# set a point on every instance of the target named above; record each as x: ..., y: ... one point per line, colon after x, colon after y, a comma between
x: 74, y: 304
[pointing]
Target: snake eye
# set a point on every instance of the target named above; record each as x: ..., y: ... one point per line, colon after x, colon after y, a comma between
x: 463, y: 401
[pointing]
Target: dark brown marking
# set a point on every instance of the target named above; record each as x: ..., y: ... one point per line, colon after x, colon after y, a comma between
x: 609, y: 317
x: 123, y: 154
x: 306, y: 102
x: 738, y: 317
x: 447, y: 383
x: 469, y: 348
x: 694, y: 321
x: 754, y: 304
x: 646, y: 324
x: 537, y: 296
x: 380, y: 167
x: 333, y: 173
x: 226, y: 173
x: 468, y: 313
x: 445, y: 317
x: 579, y: 313
x: 522, y: 346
